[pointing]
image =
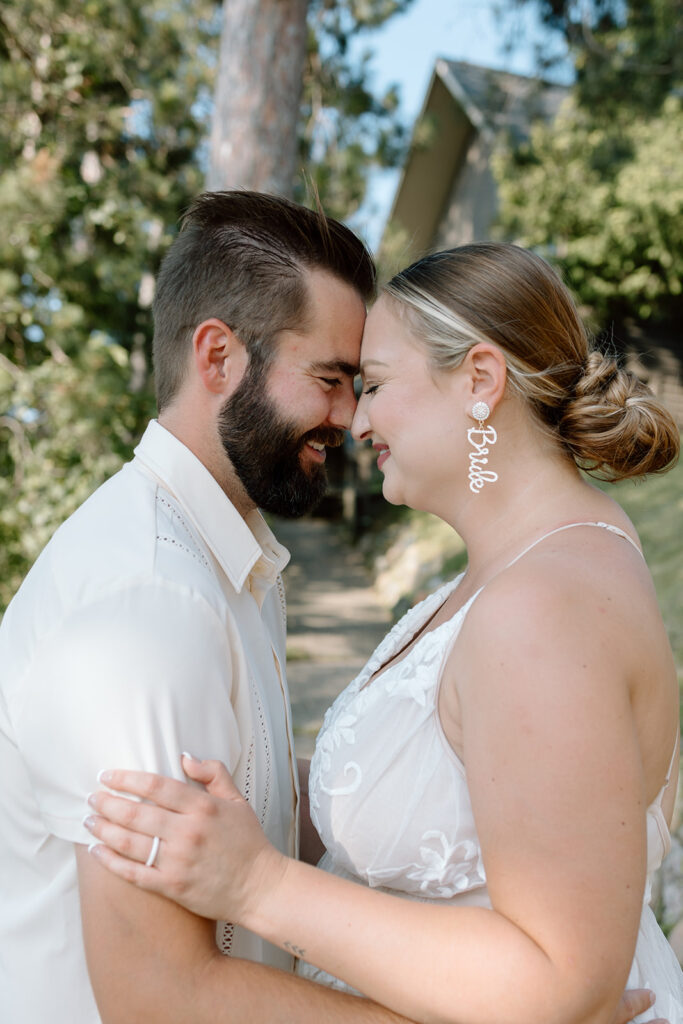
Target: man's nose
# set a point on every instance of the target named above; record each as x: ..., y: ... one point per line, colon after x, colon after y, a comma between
x: 344, y: 405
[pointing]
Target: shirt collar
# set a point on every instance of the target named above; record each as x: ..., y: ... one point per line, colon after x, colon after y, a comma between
x: 245, y: 547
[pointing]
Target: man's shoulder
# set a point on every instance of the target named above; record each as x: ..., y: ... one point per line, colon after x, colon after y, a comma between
x: 108, y: 539
x: 129, y: 535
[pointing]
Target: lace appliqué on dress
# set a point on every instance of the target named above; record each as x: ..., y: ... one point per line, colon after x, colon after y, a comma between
x: 380, y: 785
x: 448, y: 868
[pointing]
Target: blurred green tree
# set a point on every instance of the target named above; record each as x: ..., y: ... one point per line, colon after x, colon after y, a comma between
x: 601, y: 190
x: 101, y: 119
x: 106, y: 108
x: 345, y: 128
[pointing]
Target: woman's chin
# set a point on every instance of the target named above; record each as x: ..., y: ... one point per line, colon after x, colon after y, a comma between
x: 392, y: 494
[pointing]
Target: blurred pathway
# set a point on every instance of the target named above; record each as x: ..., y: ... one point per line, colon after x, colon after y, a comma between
x: 334, y: 620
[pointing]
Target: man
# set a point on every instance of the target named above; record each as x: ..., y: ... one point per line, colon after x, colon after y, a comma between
x: 153, y: 623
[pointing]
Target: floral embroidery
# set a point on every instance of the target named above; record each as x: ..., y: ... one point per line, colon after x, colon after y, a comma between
x: 339, y: 730
x: 383, y: 834
x: 350, y: 768
x: 448, y: 868
x: 414, y: 681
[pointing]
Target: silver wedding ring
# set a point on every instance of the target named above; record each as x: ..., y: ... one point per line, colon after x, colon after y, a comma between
x: 149, y: 863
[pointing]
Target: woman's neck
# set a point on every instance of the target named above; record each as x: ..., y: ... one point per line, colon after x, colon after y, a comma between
x: 531, y: 496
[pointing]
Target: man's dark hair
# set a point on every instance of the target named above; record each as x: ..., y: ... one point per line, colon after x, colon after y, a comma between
x: 241, y: 257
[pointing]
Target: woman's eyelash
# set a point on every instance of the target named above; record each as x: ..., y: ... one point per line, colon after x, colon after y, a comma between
x: 370, y: 389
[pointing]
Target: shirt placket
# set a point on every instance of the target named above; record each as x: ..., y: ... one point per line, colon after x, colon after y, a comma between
x: 260, y: 581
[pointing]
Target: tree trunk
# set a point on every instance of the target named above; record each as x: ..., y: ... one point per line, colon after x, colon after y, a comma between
x: 258, y: 90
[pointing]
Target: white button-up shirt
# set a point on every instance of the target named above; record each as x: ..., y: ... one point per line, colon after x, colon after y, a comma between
x: 152, y: 623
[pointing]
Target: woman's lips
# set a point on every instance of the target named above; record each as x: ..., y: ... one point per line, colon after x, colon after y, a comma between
x: 383, y: 453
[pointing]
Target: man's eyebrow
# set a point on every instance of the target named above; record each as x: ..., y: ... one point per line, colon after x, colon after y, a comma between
x: 335, y: 366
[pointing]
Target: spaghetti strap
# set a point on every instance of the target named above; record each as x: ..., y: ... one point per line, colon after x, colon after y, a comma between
x: 569, y: 526
x: 671, y: 764
x: 657, y: 802
x: 559, y: 529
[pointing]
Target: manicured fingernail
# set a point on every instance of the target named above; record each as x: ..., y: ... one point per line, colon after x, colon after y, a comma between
x: 91, y: 799
x: 104, y: 775
x: 94, y: 848
x: 190, y: 757
x: 88, y: 821
x: 653, y: 998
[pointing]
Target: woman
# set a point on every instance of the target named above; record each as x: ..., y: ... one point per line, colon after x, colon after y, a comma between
x: 505, y: 760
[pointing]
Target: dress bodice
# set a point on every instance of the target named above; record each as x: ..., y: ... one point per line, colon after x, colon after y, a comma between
x: 388, y: 794
x: 390, y: 800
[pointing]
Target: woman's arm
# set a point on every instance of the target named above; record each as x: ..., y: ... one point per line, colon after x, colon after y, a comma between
x: 556, y: 785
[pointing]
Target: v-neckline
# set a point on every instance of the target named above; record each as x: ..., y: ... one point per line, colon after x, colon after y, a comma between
x: 418, y: 634
x: 416, y: 639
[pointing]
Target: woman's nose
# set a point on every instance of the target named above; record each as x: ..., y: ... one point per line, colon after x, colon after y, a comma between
x: 360, y: 425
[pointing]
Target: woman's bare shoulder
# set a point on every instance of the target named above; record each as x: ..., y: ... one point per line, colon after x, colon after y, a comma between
x: 582, y: 590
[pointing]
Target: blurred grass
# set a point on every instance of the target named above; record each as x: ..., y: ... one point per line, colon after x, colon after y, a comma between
x: 655, y: 506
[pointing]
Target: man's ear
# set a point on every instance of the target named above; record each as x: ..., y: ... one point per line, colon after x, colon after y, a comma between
x: 486, y: 374
x: 219, y: 355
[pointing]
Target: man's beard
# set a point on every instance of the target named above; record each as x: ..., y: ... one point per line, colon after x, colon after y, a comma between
x: 265, y: 449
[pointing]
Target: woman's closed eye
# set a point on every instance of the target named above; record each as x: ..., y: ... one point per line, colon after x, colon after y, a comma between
x: 370, y: 389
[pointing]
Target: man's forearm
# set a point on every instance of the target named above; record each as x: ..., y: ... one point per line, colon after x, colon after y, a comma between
x: 234, y: 991
x: 151, y: 962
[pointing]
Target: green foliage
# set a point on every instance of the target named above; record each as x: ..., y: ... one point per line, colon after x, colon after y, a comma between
x: 98, y: 145
x: 601, y: 190
x: 345, y: 128
x: 656, y: 508
x: 625, y: 51
x: 105, y: 109
x: 69, y: 425
x: 98, y: 155
x: 608, y: 208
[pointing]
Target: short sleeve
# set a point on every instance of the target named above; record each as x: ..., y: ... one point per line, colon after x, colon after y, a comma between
x: 129, y: 681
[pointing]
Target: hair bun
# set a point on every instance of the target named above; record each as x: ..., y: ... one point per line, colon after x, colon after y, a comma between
x: 614, y: 426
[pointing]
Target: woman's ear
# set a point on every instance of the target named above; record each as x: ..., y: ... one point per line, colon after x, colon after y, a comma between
x: 219, y: 355
x: 486, y: 374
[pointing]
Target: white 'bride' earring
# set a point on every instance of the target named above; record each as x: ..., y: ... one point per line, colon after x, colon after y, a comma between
x: 480, y: 438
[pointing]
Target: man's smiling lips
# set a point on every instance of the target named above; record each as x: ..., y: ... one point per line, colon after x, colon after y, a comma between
x: 319, y: 440
x: 316, y: 450
x: 383, y: 451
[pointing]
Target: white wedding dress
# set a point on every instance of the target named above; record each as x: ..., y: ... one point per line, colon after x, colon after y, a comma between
x: 390, y: 801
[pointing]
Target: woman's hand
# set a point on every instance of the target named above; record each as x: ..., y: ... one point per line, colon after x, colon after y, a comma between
x: 212, y: 856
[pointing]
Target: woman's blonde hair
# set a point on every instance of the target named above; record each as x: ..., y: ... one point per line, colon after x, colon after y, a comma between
x: 603, y: 415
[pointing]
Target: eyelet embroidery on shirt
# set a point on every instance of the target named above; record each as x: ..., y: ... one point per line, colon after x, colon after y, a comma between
x: 190, y: 545
x: 283, y: 600
x: 249, y: 771
x: 266, y: 751
x: 224, y: 937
